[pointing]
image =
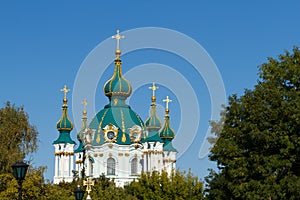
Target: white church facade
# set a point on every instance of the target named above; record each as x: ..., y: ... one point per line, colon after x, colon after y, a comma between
x: 116, y: 142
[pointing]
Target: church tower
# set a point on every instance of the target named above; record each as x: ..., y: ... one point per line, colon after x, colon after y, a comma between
x: 167, y: 134
x: 64, y: 145
x: 153, y: 144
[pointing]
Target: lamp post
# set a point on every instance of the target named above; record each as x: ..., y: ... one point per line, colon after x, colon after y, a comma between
x: 78, y: 193
x: 19, y: 172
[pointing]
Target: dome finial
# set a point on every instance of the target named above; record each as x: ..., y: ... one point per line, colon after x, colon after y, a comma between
x: 64, y: 124
x: 153, y: 123
x: 65, y: 90
x: 167, y: 100
x: 85, y: 103
x: 118, y: 37
x: 153, y: 88
x: 167, y: 133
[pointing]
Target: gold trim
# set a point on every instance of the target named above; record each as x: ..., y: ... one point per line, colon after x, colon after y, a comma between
x: 123, y: 138
x: 98, y: 138
x: 123, y: 126
x: 138, y: 130
x: 100, y: 123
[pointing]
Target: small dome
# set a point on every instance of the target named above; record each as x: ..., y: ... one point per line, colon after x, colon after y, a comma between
x: 64, y: 126
x: 153, y: 123
x: 167, y: 133
x: 64, y: 123
x: 117, y: 85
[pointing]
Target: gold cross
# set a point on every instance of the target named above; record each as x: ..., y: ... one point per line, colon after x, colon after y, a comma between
x: 88, y: 183
x: 153, y: 88
x: 167, y: 100
x: 84, y: 105
x: 65, y: 90
x: 118, y: 37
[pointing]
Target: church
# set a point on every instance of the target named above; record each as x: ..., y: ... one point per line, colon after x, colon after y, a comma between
x: 117, y: 142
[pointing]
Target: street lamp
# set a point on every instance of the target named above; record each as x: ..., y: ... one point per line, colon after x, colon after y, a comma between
x: 19, y: 172
x: 78, y: 193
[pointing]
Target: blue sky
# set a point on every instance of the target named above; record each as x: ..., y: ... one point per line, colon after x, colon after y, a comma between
x: 43, y: 46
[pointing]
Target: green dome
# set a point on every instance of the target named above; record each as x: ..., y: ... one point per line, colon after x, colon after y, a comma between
x: 64, y: 126
x: 117, y: 85
x: 120, y: 115
x: 64, y: 122
x: 167, y: 133
x: 153, y: 123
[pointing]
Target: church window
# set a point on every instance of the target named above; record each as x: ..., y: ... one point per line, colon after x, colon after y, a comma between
x: 111, y: 166
x: 91, y: 167
x: 134, y: 166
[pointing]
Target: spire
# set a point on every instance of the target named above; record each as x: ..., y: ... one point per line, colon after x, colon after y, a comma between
x: 64, y: 124
x: 153, y: 123
x: 80, y: 134
x: 84, y: 120
x: 167, y: 132
x: 117, y: 87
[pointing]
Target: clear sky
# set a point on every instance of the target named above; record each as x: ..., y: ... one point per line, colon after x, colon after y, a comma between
x: 43, y: 45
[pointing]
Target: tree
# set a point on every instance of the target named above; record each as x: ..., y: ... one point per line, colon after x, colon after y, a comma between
x: 177, y: 185
x: 258, y: 149
x: 18, y: 137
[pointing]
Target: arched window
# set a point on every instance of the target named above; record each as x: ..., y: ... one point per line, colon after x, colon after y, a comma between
x: 111, y: 166
x: 134, y: 166
x: 91, y: 160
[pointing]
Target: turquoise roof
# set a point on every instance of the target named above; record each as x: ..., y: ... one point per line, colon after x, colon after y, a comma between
x: 168, y: 146
x: 153, y: 137
x: 64, y: 137
x: 80, y: 148
x: 118, y: 114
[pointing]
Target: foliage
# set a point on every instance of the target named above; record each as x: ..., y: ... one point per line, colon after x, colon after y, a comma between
x: 177, y: 185
x: 258, y: 149
x: 18, y: 137
x: 150, y: 186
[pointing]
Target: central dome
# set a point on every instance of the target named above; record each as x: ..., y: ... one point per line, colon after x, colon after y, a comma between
x: 117, y: 116
x: 117, y: 85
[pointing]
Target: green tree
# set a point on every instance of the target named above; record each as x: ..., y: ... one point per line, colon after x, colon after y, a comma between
x: 258, y: 149
x: 33, y: 185
x: 177, y: 185
x: 18, y: 137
